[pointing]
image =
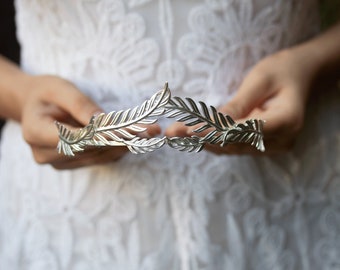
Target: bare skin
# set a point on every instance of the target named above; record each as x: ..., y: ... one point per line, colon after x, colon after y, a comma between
x: 39, y: 102
x: 275, y: 90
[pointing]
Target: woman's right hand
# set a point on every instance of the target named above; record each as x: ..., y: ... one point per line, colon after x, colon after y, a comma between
x: 49, y: 99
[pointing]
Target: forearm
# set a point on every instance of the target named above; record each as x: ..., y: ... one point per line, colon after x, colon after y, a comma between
x: 13, y: 88
x: 322, y: 53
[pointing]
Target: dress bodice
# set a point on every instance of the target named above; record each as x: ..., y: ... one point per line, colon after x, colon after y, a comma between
x: 121, y: 52
x: 168, y: 210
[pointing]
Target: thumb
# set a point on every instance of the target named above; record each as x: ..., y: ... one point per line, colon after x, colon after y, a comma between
x: 53, y: 99
x: 249, y: 96
x: 75, y: 103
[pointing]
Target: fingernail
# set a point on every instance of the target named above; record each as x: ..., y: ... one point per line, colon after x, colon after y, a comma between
x: 190, y: 131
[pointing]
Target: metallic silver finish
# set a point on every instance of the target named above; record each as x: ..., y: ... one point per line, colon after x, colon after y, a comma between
x: 121, y: 128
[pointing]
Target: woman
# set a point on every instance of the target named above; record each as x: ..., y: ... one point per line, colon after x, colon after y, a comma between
x: 109, y: 209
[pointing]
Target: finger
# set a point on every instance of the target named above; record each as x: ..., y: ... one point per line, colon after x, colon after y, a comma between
x: 151, y: 131
x: 91, y: 156
x: 252, y: 92
x: 272, y: 147
x: 50, y: 104
x: 38, y: 126
x: 46, y: 155
x: 177, y: 129
x: 72, y: 100
x: 233, y: 149
x: 280, y: 120
x: 101, y: 156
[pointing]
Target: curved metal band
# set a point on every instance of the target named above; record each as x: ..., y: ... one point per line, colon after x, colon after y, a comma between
x: 121, y: 128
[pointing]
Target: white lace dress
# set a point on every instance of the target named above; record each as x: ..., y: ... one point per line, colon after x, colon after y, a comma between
x: 169, y: 210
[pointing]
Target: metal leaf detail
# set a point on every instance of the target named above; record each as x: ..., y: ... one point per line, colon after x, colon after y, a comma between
x: 117, y: 128
x: 187, y: 144
x: 222, y: 128
x: 121, y: 128
x: 74, y: 141
x: 141, y: 146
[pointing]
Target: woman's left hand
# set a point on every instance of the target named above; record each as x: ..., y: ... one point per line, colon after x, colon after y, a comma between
x: 275, y: 90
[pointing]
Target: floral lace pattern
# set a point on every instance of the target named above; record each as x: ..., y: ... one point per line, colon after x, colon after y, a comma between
x: 169, y: 210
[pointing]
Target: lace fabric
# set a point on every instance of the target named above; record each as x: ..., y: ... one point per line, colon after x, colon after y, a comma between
x: 169, y: 210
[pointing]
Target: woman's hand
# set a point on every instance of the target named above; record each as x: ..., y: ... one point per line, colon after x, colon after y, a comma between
x: 51, y: 99
x: 275, y: 90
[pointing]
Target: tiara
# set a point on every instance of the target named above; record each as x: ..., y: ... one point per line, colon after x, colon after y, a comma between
x: 121, y: 128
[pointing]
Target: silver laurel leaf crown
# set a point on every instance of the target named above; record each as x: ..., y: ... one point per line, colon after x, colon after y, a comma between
x: 121, y: 128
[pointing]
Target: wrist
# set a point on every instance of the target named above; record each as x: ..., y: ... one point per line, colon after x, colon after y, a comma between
x: 14, y: 85
x: 322, y: 53
x: 22, y: 92
x: 309, y: 59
